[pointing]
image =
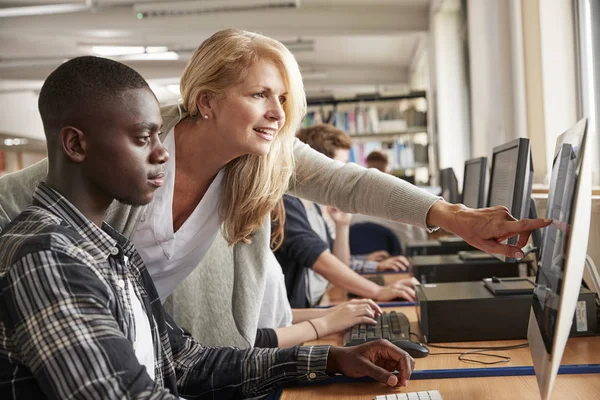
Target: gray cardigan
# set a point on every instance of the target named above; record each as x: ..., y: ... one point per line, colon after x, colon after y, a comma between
x: 233, y: 277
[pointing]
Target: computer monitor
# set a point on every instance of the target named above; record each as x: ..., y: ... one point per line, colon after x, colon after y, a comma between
x: 449, y: 186
x: 563, y: 255
x: 511, y: 178
x: 473, y: 193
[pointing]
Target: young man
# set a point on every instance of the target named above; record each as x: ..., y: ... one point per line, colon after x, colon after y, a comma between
x: 378, y: 160
x: 311, y: 257
x: 79, y: 315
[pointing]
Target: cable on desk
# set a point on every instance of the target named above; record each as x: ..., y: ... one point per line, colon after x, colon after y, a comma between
x: 476, y: 351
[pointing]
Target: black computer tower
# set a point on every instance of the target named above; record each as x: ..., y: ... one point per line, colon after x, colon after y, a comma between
x: 451, y: 268
x: 468, y: 311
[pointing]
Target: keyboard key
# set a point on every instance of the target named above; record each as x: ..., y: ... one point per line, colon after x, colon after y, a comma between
x: 429, y: 395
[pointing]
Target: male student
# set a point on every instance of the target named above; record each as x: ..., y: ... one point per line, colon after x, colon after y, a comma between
x: 79, y: 315
x: 311, y: 257
x: 378, y: 160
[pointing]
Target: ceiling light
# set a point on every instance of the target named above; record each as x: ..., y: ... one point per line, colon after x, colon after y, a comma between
x: 44, y: 9
x: 15, y: 142
x: 180, y: 8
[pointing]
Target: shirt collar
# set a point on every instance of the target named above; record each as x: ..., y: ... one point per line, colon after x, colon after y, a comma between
x: 103, y: 239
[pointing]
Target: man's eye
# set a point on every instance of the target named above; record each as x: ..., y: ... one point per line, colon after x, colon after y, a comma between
x: 144, y: 139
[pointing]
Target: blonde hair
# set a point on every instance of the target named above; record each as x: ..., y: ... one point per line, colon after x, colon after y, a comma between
x: 253, y: 185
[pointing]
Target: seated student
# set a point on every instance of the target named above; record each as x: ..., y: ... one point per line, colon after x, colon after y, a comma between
x: 79, y: 315
x: 378, y: 160
x: 309, y: 256
x: 404, y: 232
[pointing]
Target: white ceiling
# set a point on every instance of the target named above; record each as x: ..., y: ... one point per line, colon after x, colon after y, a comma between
x: 359, y: 45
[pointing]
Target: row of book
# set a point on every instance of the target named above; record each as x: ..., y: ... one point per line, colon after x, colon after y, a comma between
x: 402, y: 154
x: 367, y: 119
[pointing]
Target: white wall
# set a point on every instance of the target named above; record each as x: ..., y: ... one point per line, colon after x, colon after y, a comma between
x: 558, y: 70
x: 451, y: 94
x: 19, y: 115
x: 496, y: 74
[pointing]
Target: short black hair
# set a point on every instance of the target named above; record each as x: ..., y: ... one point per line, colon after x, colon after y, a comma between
x: 79, y: 85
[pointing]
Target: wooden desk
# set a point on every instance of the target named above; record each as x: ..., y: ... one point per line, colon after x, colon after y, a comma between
x: 571, y: 387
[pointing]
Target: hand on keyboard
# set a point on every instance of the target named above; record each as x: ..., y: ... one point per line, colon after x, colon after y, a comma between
x: 347, y: 314
x: 400, y: 289
x: 377, y: 359
x: 396, y: 263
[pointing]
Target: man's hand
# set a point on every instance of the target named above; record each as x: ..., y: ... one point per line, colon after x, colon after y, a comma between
x: 378, y: 255
x: 377, y: 359
x: 396, y: 263
x: 484, y: 228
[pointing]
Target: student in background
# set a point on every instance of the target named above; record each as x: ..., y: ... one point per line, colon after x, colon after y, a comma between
x: 79, y: 314
x: 404, y: 232
x: 378, y: 160
x: 311, y: 257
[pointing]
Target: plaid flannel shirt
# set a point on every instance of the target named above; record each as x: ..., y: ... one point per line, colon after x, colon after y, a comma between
x: 66, y: 323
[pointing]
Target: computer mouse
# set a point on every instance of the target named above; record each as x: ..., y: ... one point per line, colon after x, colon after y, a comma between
x: 416, y: 350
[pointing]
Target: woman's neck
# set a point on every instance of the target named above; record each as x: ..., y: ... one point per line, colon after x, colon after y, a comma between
x: 197, y: 153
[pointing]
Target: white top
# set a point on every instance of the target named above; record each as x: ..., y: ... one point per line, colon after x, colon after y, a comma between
x: 170, y: 257
x: 275, y: 309
x: 142, y: 345
x: 316, y: 284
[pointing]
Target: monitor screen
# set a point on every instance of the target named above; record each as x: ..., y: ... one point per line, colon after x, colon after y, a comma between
x: 503, y: 177
x: 449, y: 186
x: 550, y: 274
x: 474, y: 182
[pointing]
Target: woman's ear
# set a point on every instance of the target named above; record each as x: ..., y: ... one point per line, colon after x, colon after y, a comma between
x: 204, y: 103
x: 73, y: 144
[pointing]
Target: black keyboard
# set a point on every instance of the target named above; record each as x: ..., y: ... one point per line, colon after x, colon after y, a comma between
x: 378, y: 279
x: 390, y: 326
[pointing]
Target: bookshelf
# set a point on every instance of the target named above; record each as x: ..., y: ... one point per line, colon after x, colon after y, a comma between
x: 396, y: 125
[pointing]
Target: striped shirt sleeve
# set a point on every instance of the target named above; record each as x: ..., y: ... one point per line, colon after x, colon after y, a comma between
x: 233, y: 373
x: 360, y: 264
x: 61, y: 312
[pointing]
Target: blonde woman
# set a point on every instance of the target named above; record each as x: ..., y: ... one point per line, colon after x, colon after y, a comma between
x: 233, y: 156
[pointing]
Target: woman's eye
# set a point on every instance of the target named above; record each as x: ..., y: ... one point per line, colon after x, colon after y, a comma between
x: 144, y: 139
x: 258, y: 95
x: 282, y: 99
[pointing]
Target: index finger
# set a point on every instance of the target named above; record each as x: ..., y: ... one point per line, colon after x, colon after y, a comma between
x: 374, y: 306
x: 525, y: 225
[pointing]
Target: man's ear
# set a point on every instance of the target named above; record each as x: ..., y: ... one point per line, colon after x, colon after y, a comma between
x: 73, y: 144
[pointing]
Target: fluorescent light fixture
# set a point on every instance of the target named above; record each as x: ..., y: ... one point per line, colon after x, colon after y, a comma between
x: 44, y: 9
x: 15, y: 142
x: 180, y: 8
x: 166, y: 55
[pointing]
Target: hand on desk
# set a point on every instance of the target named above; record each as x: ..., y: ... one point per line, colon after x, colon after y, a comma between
x: 400, y: 289
x: 345, y: 315
x: 484, y: 228
x: 396, y: 263
x: 377, y: 359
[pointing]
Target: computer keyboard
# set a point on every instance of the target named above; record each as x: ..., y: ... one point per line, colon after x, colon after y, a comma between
x: 391, y: 326
x: 378, y: 279
x: 429, y: 395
